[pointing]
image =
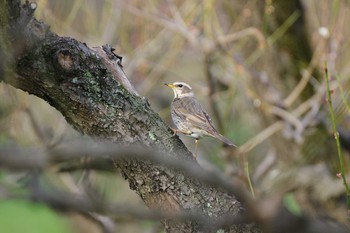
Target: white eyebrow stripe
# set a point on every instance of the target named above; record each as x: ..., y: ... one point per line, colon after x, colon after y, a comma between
x: 189, y: 94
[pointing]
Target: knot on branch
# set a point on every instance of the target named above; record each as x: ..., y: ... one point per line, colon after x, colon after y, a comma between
x: 65, y: 60
x: 109, y: 50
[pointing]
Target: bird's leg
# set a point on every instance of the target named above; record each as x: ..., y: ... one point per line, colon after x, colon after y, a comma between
x: 196, y: 149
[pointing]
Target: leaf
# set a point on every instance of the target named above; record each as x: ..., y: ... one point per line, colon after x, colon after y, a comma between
x: 291, y: 204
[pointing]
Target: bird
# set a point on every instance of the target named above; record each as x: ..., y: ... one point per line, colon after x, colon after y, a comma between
x: 189, y: 116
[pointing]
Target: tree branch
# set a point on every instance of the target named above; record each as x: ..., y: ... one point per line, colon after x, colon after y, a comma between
x: 274, y: 218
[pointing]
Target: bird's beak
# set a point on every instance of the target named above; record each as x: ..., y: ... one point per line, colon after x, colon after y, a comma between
x: 169, y: 85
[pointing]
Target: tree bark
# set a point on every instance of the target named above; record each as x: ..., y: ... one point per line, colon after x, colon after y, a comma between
x: 90, y: 89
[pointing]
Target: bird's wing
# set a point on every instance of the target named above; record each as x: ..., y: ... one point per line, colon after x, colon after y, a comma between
x: 191, y: 110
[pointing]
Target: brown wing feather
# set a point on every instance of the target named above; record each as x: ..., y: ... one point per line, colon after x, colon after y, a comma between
x: 191, y: 110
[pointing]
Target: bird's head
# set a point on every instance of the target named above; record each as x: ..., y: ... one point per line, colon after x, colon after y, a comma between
x: 180, y: 89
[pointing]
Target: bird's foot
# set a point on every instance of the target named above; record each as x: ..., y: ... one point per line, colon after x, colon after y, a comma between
x: 175, y: 131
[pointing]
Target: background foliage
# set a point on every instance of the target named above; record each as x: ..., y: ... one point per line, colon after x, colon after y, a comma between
x: 256, y: 66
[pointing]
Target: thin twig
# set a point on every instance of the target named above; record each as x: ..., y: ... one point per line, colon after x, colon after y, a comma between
x: 246, y: 169
x: 250, y: 31
x: 45, y: 158
x: 167, y: 23
x: 336, y: 136
x: 277, y: 126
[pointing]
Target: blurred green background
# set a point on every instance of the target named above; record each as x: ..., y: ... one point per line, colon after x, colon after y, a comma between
x: 256, y: 66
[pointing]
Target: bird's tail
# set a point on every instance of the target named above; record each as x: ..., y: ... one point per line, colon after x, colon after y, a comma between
x: 224, y: 140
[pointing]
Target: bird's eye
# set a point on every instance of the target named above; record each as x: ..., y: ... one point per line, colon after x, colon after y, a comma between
x: 180, y: 85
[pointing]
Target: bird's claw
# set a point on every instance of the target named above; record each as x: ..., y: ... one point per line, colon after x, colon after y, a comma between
x: 175, y: 131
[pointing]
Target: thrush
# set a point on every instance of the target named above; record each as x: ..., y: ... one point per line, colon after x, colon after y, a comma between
x: 189, y: 116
